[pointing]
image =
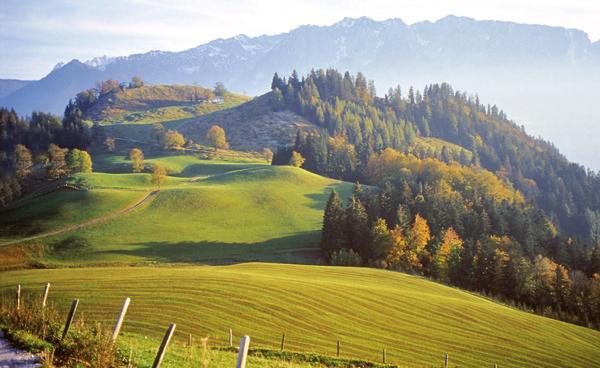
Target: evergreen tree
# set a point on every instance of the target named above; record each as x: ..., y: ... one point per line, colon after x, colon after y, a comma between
x: 357, y: 228
x: 332, y: 236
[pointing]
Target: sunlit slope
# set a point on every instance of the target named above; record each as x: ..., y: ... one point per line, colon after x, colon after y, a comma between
x: 416, y: 320
x: 214, y: 212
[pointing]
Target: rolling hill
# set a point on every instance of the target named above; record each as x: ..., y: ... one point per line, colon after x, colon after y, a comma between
x: 416, y: 320
x: 206, y: 212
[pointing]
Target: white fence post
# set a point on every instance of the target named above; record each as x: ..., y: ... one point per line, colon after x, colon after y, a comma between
x: 120, y: 319
x: 243, y: 353
x: 45, y: 297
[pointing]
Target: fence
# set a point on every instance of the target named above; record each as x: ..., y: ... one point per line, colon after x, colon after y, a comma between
x: 242, y: 350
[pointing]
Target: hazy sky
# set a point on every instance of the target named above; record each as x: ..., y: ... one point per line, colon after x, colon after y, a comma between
x: 35, y: 35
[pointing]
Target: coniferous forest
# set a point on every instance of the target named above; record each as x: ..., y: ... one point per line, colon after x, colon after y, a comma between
x: 452, y: 189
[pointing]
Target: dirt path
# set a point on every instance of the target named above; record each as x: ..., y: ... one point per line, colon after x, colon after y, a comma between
x: 82, y: 225
x: 15, y: 358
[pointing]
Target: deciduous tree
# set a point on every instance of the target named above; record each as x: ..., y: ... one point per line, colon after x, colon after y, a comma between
x: 23, y: 163
x: 215, y: 137
x: 159, y: 174
x: 296, y: 160
x: 137, y: 160
x: 56, y: 162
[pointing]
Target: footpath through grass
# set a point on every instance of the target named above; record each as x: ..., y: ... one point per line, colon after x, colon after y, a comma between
x: 416, y: 320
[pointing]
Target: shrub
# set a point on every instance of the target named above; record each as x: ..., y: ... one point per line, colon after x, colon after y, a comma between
x: 345, y: 257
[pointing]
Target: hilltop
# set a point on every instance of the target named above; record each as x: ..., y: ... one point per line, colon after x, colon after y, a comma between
x: 149, y: 104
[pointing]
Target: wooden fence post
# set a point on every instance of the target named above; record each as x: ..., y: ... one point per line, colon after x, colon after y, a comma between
x: 338, y: 348
x: 120, y: 319
x: 446, y: 361
x: 230, y: 337
x: 283, y: 341
x: 18, y: 297
x: 70, y: 317
x: 190, y: 340
x: 45, y: 296
x: 243, y: 353
x: 384, y: 357
x: 163, y: 346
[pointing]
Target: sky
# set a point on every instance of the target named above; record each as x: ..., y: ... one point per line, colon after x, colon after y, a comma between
x: 35, y: 35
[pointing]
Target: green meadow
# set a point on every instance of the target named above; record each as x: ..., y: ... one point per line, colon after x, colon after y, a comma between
x: 206, y: 211
x: 416, y: 320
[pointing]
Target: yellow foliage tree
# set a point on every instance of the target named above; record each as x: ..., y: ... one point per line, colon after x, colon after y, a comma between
x: 420, y: 234
x: 401, y: 255
x: 215, y: 136
x: 450, y: 240
x: 137, y: 157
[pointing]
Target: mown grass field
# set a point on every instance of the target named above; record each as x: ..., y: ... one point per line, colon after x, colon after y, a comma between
x: 207, y: 211
x: 416, y: 320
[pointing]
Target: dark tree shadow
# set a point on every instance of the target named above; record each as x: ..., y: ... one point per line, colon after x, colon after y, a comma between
x: 300, y: 248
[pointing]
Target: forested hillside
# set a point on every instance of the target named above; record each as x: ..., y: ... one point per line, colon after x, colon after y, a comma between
x: 346, y: 107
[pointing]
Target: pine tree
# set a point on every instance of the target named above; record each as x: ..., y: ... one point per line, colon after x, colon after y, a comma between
x: 357, y: 227
x: 332, y: 236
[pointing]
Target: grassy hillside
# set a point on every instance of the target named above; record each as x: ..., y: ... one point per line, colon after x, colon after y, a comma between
x: 206, y: 211
x: 252, y: 125
x: 157, y: 103
x: 416, y: 320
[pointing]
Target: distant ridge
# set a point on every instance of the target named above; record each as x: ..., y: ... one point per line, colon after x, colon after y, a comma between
x: 358, y: 44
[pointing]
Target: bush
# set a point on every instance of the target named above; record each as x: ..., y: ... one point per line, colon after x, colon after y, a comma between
x: 345, y: 257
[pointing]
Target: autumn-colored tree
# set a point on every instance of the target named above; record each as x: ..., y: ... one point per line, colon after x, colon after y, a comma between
x: 420, y: 234
x: 159, y: 174
x: 450, y: 240
x: 267, y: 154
x: 108, y: 86
x: 23, y: 162
x: 173, y: 139
x: 401, y: 256
x: 136, y: 82
x: 109, y: 144
x: 296, y: 160
x: 56, y: 162
x: 215, y: 137
x: 137, y: 160
x: 86, y: 162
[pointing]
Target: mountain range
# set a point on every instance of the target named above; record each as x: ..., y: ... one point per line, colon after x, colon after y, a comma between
x: 492, y: 58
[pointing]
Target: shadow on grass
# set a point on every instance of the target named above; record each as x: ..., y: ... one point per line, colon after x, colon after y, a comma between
x: 299, y: 248
x: 319, y: 200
